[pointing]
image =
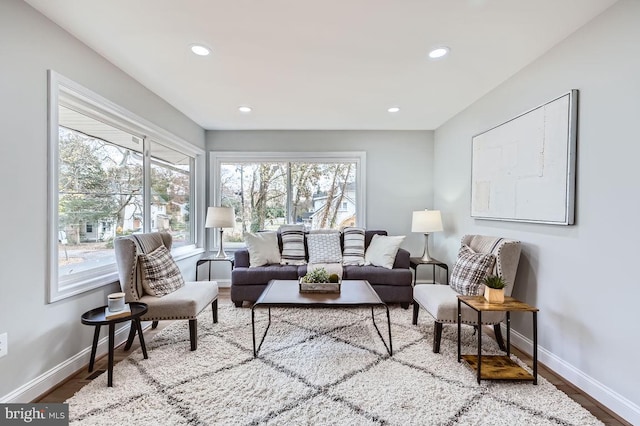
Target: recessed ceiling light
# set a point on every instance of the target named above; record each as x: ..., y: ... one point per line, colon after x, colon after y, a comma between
x: 439, y: 52
x: 200, y: 50
x: 394, y: 109
x: 244, y: 108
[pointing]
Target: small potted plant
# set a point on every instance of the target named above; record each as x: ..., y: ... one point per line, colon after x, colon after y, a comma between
x: 319, y: 281
x: 494, y: 288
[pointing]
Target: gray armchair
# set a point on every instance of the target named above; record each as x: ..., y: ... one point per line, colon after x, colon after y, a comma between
x: 441, y: 301
x: 183, y: 304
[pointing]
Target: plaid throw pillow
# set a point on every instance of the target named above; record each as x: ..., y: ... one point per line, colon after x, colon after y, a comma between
x: 160, y: 274
x: 470, y: 270
x: 353, y: 250
x: 292, y: 245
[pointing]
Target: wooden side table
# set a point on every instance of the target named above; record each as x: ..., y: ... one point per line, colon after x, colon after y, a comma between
x: 414, y: 262
x: 498, y: 367
x: 213, y: 259
x: 97, y: 318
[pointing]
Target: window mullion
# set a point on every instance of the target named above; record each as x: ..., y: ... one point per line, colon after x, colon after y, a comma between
x: 289, y: 195
x: 146, y: 184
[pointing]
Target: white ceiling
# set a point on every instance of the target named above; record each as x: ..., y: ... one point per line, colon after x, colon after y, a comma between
x: 330, y: 64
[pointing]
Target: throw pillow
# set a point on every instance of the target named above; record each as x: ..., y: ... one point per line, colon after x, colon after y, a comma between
x: 324, y: 247
x: 160, y: 274
x: 353, y: 250
x: 263, y: 248
x: 470, y: 270
x: 292, y: 245
x: 382, y: 250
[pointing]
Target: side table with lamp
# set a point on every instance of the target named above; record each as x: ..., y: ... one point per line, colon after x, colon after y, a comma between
x: 427, y: 221
x: 218, y: 217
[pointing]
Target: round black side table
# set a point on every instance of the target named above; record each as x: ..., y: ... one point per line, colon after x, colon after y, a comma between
x: 96, y: 317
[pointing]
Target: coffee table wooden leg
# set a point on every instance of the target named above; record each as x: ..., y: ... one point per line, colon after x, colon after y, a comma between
x: 112, y: 327
x: 535, y: 348
x: 253, y: 330
x: 94, y: 347
x: 389, y: 348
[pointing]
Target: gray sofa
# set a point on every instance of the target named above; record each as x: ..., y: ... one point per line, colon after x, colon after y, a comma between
x: 392, y: 285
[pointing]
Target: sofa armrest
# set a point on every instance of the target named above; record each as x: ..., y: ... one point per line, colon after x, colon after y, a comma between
x: 241, y: 258
x: 402, y: 259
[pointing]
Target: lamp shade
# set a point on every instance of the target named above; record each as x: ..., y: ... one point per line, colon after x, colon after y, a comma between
x: 220, y: 217
x: 426, y: 221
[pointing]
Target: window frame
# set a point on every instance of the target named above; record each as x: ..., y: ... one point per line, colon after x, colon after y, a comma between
x: 216, y: 158
x: 62, y: 90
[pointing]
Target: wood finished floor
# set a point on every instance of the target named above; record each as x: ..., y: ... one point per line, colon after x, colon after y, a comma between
x: 74, y: 383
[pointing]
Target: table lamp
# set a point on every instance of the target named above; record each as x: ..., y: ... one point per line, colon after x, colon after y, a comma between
x: 220, y: 217
x: 426, y: 221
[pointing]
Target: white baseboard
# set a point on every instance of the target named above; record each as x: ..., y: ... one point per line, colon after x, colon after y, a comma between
x: 223, y: 283
x: 598, y: 391
x: 52, y: 378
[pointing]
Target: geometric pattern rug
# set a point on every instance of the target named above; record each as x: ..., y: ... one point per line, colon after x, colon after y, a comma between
x: 316, y: 367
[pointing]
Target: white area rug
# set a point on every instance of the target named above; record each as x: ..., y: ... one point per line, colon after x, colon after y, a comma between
x: 316, y: 367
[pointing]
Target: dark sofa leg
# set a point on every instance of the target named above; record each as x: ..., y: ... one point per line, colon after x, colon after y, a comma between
x: 405, y: 305
x: 498, y: 332
x: 214, y: 308
x: 416, y: 309
x: 437, y: 335
x: 238, y: 304
x: 193, y: 334
x: 154, y: 325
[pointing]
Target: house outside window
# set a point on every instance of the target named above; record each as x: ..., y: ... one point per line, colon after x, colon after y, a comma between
x: 267, y: 190
x: 111, y: 175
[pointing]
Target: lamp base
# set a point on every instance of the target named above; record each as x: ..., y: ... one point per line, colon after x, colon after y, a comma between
x: 426, y: 257
x: 221, y: 254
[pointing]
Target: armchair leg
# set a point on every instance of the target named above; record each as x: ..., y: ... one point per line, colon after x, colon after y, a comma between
x: 214, y: 308
x: 132, y: 335
x: 498, y: 332
x: 416, y: 309
x: 193, y: 333
x: 154, y: 325
x: 437, y: 335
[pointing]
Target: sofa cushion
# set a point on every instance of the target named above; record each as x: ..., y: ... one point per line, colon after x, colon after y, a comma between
x: 264, y: 274
x: 470, y: 270
x: 353, y: 246
x: 324, y: 247
x: 263, y: 248
x: 382, y: 251
x: 160, y: 274
x: 377, y: 275
x: 293, y: 252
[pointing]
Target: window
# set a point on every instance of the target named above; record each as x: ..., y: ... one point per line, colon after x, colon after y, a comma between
x: 266, y: 190
x: 111, y: 174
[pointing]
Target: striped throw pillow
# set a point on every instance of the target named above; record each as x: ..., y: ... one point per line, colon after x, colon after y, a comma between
x: 292, y: 245
x: 160, y: 274
x: 470, y: 270
x: 353, y: 247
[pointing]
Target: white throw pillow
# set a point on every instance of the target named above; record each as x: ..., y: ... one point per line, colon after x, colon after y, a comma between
x: 382, y: 250
x: 324, y: 247
x: 263, y: 248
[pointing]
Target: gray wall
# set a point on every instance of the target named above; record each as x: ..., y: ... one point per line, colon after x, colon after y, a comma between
x: 582, y: 277
x: 399, y: 167
x: 42, y: 335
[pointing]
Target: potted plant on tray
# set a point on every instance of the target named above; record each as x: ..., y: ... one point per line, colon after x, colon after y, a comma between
x: 494, y: 288
x: 319, y: 281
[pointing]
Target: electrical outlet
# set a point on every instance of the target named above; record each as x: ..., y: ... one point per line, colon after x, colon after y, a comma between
x: 4, y: 344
